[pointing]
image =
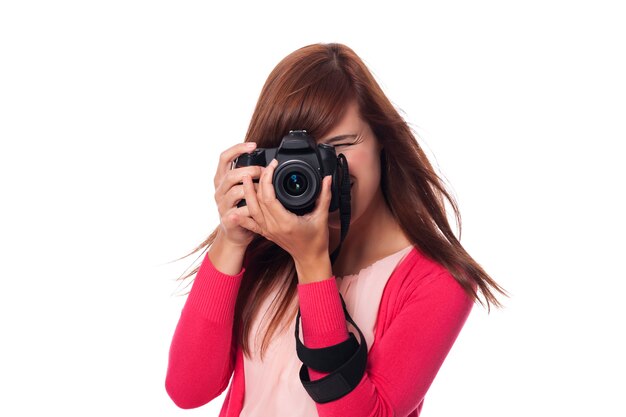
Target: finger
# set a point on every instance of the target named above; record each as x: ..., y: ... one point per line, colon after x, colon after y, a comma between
x: 248, y: 223
x: 266, y: 190
x: 252, y: 201
x: 234, y: 178
x: 227, y: 157
x: 233, y: 197
x: 235, y: 214
x: 235, y: 175
x: 323, y: 201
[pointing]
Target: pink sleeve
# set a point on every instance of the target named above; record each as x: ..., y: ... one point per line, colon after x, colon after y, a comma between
x: 401, y: 365
x: 202, y: 354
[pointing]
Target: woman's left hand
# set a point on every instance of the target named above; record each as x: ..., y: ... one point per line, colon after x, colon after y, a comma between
x: 304, y: 237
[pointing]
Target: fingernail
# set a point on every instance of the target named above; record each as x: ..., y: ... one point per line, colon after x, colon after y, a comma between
x: 250, y: 145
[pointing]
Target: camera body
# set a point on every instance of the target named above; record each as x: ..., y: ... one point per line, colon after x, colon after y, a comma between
x: 302, y: 164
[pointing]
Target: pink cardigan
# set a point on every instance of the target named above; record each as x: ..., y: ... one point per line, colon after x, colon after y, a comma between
x: 421, y: 313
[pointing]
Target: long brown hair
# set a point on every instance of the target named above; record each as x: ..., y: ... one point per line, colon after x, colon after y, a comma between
x: 310, y: 89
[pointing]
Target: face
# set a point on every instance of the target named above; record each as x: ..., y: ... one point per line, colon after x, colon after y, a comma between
x: 353, y: 137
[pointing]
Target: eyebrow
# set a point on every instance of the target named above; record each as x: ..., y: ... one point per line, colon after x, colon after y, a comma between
x: 338, y: 138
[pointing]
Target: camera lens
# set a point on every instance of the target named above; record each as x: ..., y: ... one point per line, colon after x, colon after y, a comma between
x: 295, y: 183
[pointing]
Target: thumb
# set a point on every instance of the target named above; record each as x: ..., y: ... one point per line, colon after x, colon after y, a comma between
x: 323, y: 202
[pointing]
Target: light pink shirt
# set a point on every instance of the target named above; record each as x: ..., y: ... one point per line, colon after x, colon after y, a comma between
x: 272, y: 386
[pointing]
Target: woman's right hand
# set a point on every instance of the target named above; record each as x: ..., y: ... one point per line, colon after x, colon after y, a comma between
x: 229, y: 191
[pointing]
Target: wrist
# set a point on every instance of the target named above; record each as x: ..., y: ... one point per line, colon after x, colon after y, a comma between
x: 313, y: 269
x: 224, y: 242
x: 226, y: 257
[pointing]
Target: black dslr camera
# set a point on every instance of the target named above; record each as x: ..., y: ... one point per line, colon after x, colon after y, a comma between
x: 302, y: 164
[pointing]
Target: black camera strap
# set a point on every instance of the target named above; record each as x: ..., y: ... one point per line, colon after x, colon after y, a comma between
x: 346, y: 361
x: 345, y: 206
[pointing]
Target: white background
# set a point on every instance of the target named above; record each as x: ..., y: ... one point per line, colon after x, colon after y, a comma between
x: 112, y: 117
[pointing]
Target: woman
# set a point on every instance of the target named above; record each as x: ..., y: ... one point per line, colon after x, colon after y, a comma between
x: 407, y: 283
